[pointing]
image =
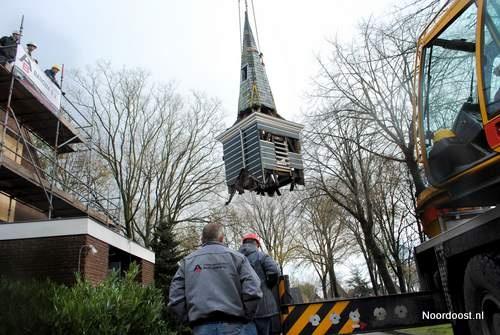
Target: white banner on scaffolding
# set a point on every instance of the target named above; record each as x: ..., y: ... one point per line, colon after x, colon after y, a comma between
x: 36, y: 81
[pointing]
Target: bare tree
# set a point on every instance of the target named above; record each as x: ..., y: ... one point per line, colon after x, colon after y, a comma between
x: 373, y: 79
x: 344, y: 171
x: 357, y: 233
x: 158, y: 146
x: 273, y: 219
x: 234, y: 222
x: 89, y: 180
x: 366, y: 97
x: 324, y: 240
x: 395, y: 219
x: 185, y: 170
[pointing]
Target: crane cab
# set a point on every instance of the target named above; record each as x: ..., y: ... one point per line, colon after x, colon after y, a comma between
x: 458, y: 107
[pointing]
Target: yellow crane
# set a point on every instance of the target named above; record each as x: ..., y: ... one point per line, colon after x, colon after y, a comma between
x: 458, y: 109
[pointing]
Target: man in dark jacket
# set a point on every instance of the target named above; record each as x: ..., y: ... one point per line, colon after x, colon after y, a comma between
x: 215, y: 288
x: 268, y: 272
x: 8, y: 47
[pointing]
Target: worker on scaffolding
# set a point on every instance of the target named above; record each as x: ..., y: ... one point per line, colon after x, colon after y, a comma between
x: 8, y: 47
x: 52, y: 72
x: 32, y: 47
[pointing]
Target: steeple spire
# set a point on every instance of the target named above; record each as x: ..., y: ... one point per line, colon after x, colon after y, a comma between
x: 255, y: 92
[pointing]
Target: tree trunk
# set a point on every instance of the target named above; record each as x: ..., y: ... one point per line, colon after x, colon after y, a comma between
x: 401, y: 276
x: 412, y: 165
x: 380, y: 262
x: 333, y: 282
x: 369, y: 265
x: 323, y: 287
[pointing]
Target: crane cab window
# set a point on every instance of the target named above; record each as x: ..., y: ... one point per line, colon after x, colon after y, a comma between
x: 491, y: 61
x: 454, y: 136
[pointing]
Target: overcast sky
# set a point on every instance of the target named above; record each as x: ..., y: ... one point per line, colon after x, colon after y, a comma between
x: 193, y: 42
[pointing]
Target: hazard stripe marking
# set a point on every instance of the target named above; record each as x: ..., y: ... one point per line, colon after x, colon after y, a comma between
x: 304, y: 319
x: 284, y: 316
x: 316, y: 318
x: 344, y: 317
x: 282, y: 288
x: 326, y: 323
x: 347, y: 329
x: 321, y: 314
x: 295, y: 315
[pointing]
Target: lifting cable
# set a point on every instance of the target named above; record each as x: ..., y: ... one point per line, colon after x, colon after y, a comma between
x: 255, y: 24
x: 239, y: 21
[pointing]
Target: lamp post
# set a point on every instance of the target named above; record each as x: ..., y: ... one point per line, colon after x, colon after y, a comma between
x: 92, y: 250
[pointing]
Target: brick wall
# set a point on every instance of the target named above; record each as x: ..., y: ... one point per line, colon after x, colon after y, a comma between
x: 95, y: 267
x: 57, y: 258
x: 147, y: 272
x: 54, y: 257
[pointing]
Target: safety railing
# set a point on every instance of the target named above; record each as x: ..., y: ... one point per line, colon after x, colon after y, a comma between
x: 55, y: 174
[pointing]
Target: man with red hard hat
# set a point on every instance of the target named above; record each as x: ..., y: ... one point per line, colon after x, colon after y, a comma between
x: 268, y: 272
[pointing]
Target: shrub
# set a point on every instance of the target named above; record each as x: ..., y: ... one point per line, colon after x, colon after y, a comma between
x: 25, y: 307
x: 116, y: 306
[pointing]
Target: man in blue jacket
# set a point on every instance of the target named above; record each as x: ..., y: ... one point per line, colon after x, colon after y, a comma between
x: 215, y: 288
x: 268, y: 272
x: 52, y: 72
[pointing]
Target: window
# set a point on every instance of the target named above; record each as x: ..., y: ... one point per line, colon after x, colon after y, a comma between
x: 244, y: 73
x: 449, y: 79
x: 491, y: 61
x: 454, y: 135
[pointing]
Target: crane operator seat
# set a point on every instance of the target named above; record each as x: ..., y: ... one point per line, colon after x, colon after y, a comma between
x: 459, y: 146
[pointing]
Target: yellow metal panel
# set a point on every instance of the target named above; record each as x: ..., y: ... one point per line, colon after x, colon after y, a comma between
x: 432, y: 229
x: 479, y: 60
x: 281, y: 289
x: 427, y: 194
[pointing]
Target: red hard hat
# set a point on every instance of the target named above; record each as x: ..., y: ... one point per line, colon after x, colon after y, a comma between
x: 251, y: 236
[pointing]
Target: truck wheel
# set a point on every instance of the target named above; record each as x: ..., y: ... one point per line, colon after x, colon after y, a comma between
x: 482, y: 293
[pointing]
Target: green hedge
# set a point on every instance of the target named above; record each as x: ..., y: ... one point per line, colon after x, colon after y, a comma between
x: 116, y: 306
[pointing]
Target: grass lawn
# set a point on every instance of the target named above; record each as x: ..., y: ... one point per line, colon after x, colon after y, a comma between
x: 434, y: 330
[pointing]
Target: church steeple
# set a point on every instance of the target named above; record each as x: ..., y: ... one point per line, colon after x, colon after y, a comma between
x: 255, y: 92
x: 261, y: 149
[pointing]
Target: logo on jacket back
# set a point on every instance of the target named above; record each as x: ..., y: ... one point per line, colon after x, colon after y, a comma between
x: 197, y: 268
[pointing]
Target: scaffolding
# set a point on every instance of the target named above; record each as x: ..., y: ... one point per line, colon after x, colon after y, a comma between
x: 37, y: 140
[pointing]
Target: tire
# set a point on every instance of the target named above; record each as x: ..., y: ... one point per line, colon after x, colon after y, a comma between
x: 482, y: 293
